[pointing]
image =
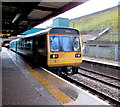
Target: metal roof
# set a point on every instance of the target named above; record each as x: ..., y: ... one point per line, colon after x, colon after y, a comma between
x: 18, y: 17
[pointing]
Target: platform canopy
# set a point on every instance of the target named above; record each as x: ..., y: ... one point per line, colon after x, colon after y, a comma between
x: 18, y: 17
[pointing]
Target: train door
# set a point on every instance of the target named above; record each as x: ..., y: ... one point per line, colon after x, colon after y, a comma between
x: 41, y: 49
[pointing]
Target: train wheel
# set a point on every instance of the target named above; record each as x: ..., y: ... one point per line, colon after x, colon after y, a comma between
x: 57, y: 70
x: 69, y: 70
x: 75, y: 70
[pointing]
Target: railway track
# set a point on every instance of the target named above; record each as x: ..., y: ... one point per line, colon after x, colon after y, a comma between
x: 105, y: 68
x: 100, y: 85
x: 104, y: 86
x: 100, y: 77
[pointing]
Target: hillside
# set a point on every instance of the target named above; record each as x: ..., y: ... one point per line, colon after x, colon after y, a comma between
x: 99, y: 20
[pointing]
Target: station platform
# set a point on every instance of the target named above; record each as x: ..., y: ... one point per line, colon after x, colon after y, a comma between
x: 102, y: 61
x: 17, y: 89
x: 22, y: 85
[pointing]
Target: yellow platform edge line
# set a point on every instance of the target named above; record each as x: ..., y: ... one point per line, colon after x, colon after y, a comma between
x: 58, y: 94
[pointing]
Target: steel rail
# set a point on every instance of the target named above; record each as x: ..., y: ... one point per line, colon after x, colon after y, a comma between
x: 102, y: 81
x: 92, y: 90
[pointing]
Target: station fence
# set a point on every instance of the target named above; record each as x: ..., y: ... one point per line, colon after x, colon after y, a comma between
x: 110, y: 51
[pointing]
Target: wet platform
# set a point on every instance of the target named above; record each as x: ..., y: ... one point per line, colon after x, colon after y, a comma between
x: 23, y: 85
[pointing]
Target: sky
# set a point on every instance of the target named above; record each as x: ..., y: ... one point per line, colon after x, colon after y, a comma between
x: 88, y: 7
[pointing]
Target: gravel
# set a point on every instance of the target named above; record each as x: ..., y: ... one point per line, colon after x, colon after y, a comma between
x: 105, y: 89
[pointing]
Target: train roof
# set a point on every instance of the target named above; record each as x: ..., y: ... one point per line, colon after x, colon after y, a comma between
x: 39, y: 32
x: 45, y: 31
x: 14, y: 40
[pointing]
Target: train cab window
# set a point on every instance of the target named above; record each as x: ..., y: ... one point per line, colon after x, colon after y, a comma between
x: 54, y: 43
x: 76, y: 44
x: 64, y: 43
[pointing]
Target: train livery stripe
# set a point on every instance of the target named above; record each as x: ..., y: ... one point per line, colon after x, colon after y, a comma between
x: 58, y: 94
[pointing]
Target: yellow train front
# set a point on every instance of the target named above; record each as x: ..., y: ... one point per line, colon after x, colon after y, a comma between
x: 58, y: 49
x: 64, y: 50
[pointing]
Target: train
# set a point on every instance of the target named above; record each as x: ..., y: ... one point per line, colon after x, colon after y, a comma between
x: 59, y: 49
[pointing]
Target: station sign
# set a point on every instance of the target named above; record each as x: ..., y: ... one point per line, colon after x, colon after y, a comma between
x: 4, y: 35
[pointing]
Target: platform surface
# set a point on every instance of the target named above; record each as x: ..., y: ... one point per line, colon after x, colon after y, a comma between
x: 23, y: 85
x: 17, y: 89
x: 102, y: 61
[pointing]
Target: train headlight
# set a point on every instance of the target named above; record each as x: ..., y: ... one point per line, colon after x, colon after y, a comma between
x: 54, y: 56
x: 76, y: 45
x: 77, y: 55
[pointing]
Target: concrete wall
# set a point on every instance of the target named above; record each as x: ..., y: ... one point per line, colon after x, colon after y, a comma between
x: 106, y: 51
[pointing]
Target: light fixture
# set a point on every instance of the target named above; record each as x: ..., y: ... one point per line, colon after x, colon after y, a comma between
x: 16, y: 17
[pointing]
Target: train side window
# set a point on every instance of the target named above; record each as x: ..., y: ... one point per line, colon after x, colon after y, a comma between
x: 21, y: 44
x: 18, y: 44
x: 28, y: 44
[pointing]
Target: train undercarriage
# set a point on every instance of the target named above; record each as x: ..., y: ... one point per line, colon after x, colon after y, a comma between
x: 65, y: 70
